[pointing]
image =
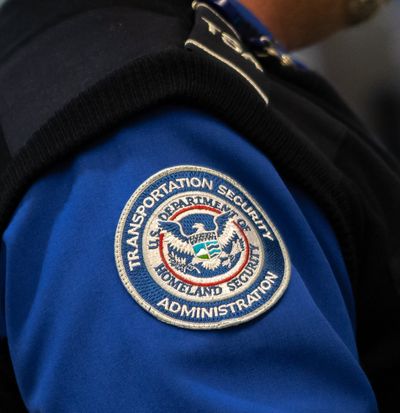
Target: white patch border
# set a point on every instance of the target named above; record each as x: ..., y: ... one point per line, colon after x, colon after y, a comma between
x: 187, y: 324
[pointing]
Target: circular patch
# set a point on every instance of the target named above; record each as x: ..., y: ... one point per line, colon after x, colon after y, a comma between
x: 194, y: 249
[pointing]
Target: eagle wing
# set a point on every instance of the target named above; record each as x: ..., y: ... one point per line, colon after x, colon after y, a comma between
x: 175, y: 237
x: 225, y: 228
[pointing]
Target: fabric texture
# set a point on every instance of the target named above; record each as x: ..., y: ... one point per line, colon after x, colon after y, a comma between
x: 307, y: 132
x: 79, y: 342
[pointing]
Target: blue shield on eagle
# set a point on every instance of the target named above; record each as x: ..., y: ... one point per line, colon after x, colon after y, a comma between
x: 206, y: 252
x: 205, y: 245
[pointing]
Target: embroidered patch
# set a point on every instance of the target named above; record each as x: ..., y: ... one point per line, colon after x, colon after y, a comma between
x: 194, y: 249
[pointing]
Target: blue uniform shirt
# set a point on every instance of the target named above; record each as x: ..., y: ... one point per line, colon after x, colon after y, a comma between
x: 80, y: 343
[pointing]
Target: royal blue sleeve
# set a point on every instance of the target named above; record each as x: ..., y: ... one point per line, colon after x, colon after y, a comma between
x: 79, y: 342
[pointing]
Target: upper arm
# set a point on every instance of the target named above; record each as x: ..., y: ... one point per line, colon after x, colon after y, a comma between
x: 78, y: 340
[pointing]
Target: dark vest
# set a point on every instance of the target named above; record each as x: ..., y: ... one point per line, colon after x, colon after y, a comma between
x: 71, y: 72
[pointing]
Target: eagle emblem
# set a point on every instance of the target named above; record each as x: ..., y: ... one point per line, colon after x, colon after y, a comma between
x: 203, y: 249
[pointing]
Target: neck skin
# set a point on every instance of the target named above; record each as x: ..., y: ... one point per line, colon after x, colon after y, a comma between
x: 299, y: 23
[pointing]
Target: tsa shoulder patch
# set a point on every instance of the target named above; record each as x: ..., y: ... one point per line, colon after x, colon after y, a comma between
x: 195, y: 250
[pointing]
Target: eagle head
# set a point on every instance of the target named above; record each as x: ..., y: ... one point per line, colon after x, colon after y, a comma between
x: 199, y: 228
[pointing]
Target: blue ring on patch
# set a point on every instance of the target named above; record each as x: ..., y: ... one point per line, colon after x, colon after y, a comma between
x: 194, y: 249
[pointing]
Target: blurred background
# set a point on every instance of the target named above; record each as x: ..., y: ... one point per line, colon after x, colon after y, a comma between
x: 364, y: 65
